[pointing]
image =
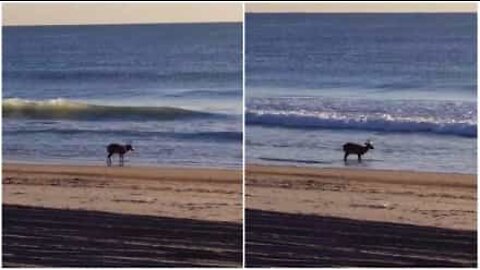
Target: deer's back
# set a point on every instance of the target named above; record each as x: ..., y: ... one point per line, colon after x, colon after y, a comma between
x: 353, y: 148
x: 115, y: 148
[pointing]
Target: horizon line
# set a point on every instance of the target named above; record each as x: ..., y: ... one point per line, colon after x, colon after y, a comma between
x: 361, y: 12
x: 120, y: 23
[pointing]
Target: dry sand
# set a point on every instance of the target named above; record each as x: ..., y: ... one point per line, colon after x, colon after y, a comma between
x: 74, y: 216
x: 346, y: 217
x: 430, y: 199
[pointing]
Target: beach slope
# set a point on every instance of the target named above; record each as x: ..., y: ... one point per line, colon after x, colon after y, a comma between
x: 130, y: 216
x: 320, y: 217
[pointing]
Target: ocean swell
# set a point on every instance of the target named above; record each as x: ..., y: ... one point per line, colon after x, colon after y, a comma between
x: 209, y: 136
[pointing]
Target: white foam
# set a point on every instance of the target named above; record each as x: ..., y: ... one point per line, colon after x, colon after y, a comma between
x: 455, y: 118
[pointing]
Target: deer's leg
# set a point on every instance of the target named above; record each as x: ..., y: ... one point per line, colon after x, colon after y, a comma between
x: 345, y: 157
x: 109, y: 160
x: 121, y: 161
x: 359, y: 158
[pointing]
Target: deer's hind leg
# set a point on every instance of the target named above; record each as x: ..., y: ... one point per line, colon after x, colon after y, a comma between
x: 345, y: 157
x: 359, y: 158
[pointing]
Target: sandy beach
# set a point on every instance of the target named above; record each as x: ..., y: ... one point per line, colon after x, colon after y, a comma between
x: 166, y: 211
x: 316, y: 217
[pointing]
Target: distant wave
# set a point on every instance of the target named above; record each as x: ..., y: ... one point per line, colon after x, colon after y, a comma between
x: 144, y: 75
x: 439, y: 118
x: 207, y: 93
x: 73, y: 110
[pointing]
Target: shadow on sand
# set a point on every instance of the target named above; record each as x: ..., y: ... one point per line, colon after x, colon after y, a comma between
x: 287, y: 240
x: 71, y: 238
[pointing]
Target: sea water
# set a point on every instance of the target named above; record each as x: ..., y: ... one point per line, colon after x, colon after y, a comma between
x: 172, y: 90
x: 407, y: 82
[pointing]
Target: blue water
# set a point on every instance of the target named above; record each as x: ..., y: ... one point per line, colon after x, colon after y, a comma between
x: 173, y: 90
x: 407, y: 82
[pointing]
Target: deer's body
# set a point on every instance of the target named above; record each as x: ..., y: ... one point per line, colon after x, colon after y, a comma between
x: 115, y: 148
x: 357, y: 149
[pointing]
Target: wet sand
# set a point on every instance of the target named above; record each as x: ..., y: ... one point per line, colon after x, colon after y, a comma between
x: 47, y: 237
x: 296, y: 216
x: 275, y: 239
x: 151, y: 213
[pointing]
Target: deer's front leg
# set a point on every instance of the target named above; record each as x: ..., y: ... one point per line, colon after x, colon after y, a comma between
x: 109, y: 161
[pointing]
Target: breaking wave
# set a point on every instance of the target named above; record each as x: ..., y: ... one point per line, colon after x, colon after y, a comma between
x: 405, y: 116
x: 73, y: 110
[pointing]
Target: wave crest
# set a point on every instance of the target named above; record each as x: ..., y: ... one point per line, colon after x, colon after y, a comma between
x: 74, y: 110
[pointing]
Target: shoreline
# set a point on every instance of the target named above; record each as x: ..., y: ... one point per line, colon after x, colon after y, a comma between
x: 361, y: 174
x: 93, y: 163
x: 443, y: 200
x: 143, y: 171
x: 352, y: 166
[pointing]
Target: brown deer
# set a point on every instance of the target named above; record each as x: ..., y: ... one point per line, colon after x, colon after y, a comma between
x: 353, y: 148
x: 115, y: 148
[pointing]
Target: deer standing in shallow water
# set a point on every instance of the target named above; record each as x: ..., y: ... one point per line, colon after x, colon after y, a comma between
x: 119, y: 149
x: 353, y: 148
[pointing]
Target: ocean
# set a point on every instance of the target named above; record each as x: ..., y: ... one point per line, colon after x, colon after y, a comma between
x: 407, y: 82
x: 174, y: 91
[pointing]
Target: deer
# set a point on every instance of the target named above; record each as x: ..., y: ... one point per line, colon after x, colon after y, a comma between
x: 353, y: 148
x: 115, y: 148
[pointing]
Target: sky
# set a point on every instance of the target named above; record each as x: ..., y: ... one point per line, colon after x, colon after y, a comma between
x: 119, y: 13
x: 360, y: 7
x: 133, y: 12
